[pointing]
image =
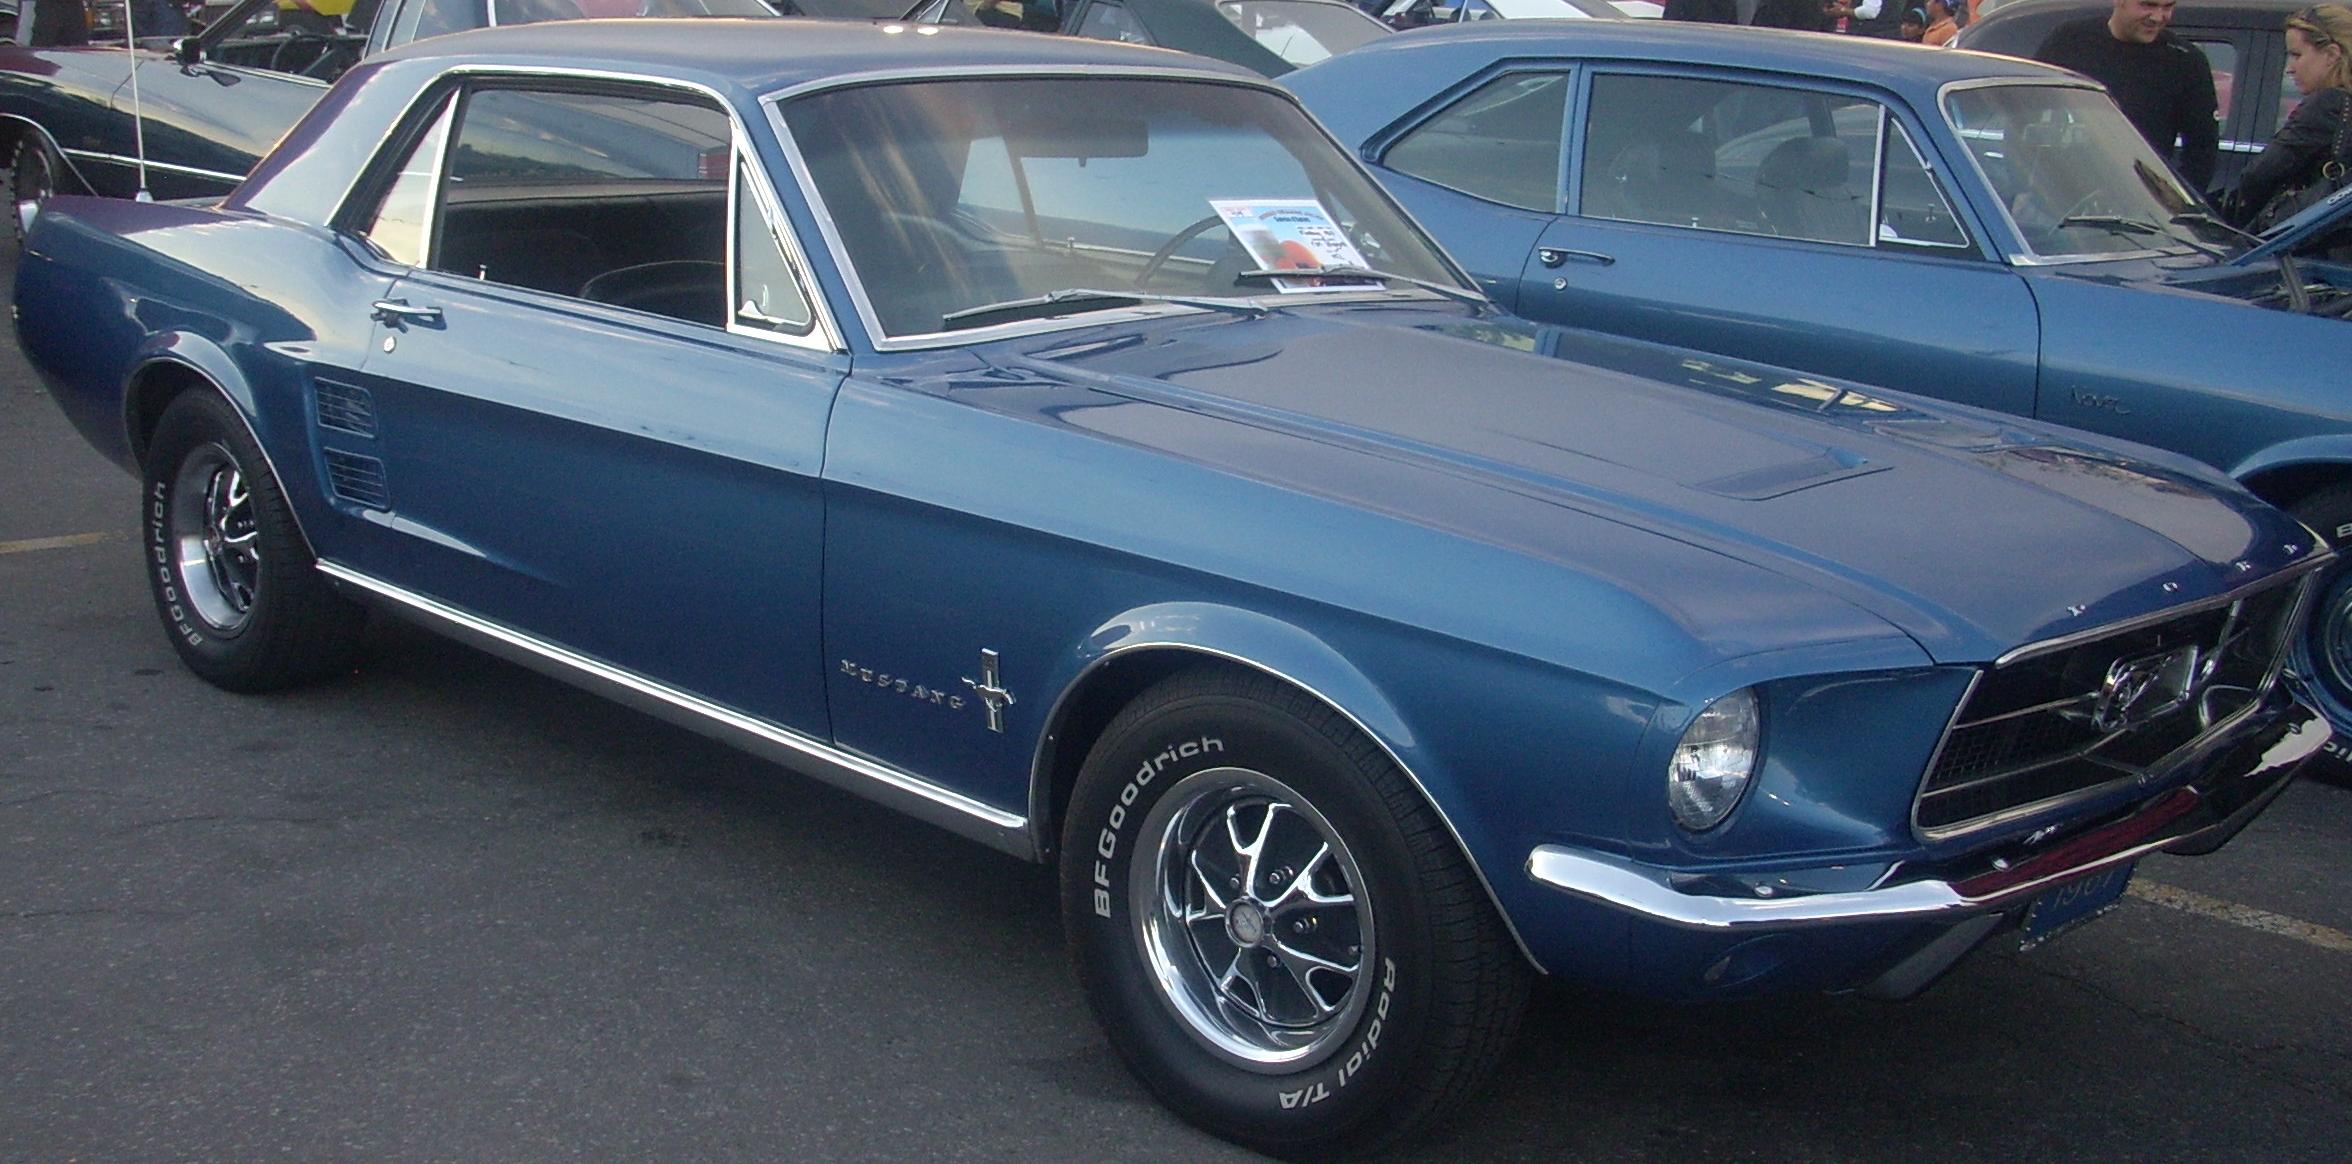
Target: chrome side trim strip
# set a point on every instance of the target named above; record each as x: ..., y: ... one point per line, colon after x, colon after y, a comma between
x: 876, y: 781
x: 152, y: 164
x: 1040, y: 783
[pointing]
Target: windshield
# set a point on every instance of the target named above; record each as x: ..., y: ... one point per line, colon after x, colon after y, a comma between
x: 950, y: 196
x: 1303, y: 33
x: 2074, y: 178
x: 504, y: 12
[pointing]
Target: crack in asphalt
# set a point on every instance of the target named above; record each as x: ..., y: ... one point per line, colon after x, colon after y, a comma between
x: 72, y: 792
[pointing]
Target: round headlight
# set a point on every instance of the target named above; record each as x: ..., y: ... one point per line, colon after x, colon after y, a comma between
x: 1713, y: 761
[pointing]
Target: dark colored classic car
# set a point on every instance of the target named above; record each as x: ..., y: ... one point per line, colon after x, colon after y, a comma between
x: 1067, y: 443
x: 210, y: 105
x: 1973, y: 227
x: 2244, y: 41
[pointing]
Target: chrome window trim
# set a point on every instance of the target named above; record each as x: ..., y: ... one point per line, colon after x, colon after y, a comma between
x: 445, y: 123
x: 1935, y: 181
x: 883, y: 341
x: 2308, y: 571
x: 1041, y: 780
x: 895, y: 787
x: 825, y: 336
x: 2023, y: 255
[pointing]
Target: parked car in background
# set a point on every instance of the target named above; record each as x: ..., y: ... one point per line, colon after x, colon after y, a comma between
x: 211, y: 104
x: 1193, y: 26
x: 1404, y: 14
x: 2244, y: 41
x: 1067, y: 443
x: 1973, y: 227
x: 1303, y: 32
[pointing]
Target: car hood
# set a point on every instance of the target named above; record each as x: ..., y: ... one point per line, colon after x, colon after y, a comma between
x: 1971, y: 533
x: 2294, y: 232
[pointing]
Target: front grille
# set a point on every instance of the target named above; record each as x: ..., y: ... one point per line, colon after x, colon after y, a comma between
x: 2113, y: 708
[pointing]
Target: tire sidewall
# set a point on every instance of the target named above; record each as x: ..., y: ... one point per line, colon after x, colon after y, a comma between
x: 192, y: 423
x: 2330, y: 514
x: 1130, y: 771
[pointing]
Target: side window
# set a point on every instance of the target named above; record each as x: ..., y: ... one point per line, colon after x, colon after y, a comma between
x: 1912, y: 209
x: 619, y: 198
x: 298, y: 41
x: 1112, y: 22
x: 767, y: 293
x: 397, y: 227
x: 1501, y: 142
x: 2223, y: 56
x: 1718, y: 155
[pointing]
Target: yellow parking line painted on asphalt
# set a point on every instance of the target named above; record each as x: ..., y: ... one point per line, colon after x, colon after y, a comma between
x: 28, y: 545
x: 2187, y: 901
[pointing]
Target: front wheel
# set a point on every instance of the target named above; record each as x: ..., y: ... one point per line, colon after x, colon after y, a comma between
x: 32, y: 178
x: 231, y: 575
x: 2323, y: 648
x: 1278, y: 934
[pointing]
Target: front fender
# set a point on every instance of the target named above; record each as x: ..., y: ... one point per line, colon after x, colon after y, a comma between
x: 2302, y: 455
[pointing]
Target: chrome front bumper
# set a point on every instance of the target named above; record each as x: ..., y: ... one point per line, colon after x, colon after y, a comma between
x: 2242, y: 777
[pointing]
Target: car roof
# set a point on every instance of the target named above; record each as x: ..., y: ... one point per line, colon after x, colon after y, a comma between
x: 1865, y: 60
x: 762, y: 56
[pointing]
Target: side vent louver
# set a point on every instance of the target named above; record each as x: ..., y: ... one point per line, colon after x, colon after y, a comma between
x: 358, y: 479
x: 346, y: 408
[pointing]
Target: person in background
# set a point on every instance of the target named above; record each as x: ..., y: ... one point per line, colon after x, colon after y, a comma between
x: 1914, y: 25
x: 55, y: 24
x: 2311, y: 147
x: 2163, y: 83
x: 1943, y: 23
x: 1802, y: 15
x: 1703, y: 11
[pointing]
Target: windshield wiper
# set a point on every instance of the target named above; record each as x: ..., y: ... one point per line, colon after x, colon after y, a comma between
x: 2134, y: 226
x: 1446, y: 289
x: 1071, y: 300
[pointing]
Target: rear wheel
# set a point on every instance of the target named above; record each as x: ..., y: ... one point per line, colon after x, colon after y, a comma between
x: 232, y: 577
x: 1277, y: 933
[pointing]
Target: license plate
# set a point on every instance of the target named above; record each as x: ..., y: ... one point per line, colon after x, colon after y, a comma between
x: 2074, y: 903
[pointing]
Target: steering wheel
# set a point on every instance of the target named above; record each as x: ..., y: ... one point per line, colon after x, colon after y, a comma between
x: 319, y: 41
x: 340, y: 53
x: 1169, y: 248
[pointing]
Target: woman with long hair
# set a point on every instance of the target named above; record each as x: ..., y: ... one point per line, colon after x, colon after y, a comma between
x: 2314, y: 146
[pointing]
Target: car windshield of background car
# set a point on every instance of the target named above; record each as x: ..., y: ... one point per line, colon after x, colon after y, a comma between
x: 2073, y: 177
x: 951, y: 195
x: 505, y: 12
x: 1303, y: 33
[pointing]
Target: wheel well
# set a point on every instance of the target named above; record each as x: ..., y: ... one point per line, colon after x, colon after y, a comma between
x: 1103, y: 694
x: 152, y: 390
x: 2289, y: 484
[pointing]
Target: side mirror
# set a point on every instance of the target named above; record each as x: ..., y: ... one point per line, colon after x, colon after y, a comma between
x: 188, y: 50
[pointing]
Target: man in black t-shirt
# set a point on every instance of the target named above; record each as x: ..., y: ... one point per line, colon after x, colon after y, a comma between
x: 2163, y: 83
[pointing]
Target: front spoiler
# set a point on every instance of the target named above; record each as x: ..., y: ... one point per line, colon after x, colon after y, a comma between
x: 2241, y: 776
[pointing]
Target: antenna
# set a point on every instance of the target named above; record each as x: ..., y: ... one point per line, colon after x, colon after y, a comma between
x: 138, y: 124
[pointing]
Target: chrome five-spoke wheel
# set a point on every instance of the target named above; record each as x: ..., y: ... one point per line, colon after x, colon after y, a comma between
x: 1253, y: 919
x: 215, y: 540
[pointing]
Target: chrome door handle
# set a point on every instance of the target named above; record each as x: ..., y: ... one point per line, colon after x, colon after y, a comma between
x: 1554, y: 256
x: 398, y: 311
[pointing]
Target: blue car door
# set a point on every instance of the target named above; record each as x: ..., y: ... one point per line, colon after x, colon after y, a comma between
x: 1789, y: 225
x: 595, y: 412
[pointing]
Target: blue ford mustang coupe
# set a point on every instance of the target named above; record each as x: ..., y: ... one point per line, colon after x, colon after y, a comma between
x: 1967, y: 226
x: 1067, y: 443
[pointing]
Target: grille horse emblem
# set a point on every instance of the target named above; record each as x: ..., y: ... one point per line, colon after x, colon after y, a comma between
x: 2140, y: 689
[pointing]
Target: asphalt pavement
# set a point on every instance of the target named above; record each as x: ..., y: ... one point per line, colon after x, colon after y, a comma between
x: 445, y: 909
